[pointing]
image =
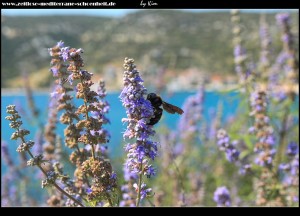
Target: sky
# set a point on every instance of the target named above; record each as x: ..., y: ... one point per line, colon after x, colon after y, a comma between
x: 114, y: 12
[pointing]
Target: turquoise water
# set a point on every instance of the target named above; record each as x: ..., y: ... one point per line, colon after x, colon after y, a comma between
x: 117, y: 112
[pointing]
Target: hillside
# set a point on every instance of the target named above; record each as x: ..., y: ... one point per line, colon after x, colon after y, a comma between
x: 156, y: 39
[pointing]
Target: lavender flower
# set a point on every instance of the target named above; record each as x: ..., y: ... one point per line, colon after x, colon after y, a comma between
x: 60, y: 97
x: 102, y: 110
x: 189, y: 121
x: 292, y: 167
x: 139, y: 112
x: 292, y: 149
x: 290, y: 173
x: 222, y: 196
x: 262, y: 129
x: 265, y: 158
x: 283, y: 19
x: 90, y: 127
x: 61, y: 100
x: 245, y: 169
x: 128, y: 189
x: 88, y: 130
x: 104, y: 179
x: 223, y: 142
x: 286, y: 69
x: 144, y: 191
x: 295, y: 166
x: 239, y: 54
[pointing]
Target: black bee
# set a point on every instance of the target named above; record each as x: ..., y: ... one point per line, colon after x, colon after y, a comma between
x: 156, y: 102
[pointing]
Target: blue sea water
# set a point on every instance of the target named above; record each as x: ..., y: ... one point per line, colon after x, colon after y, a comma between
x: 117, y: 112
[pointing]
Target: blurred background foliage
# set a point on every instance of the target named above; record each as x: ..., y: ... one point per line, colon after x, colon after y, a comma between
x: 174, y: 41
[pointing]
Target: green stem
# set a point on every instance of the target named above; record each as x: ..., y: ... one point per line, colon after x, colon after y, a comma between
x: 54, y: 184
x: 282, y: 143
x: 151, y: 203
x: 139, y: 185
x: 180, y: 181
x: 68, y: 195
x: 109, y: 199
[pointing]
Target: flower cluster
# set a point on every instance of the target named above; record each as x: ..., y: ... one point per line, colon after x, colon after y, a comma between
x: 62, y: 100
x: 222, y: 196
x: 291, y: 170
x: 144, y: 191
x: 102, y: 110
x: 262, y: 129
x: 50, y: 180
x: 139, y: 112
x: 88, y: 129
x: 104, y: 179
x: 287, y: 61
x: 266, y: 194
x: 15, y: 123
x: 128, y: 189
x: 36, y: 160
x: 293, y: 165
x: 223, y: 141
x: 60, y: 94
x: 284, y: 22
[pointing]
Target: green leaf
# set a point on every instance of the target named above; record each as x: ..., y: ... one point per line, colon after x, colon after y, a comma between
x: 248, y: 141
x: 245, y: 153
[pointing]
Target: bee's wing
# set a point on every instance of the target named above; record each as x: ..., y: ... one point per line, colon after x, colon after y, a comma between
x: 171, y: 108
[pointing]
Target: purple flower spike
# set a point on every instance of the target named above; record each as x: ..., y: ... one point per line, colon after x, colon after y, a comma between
x: 139, y: 112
